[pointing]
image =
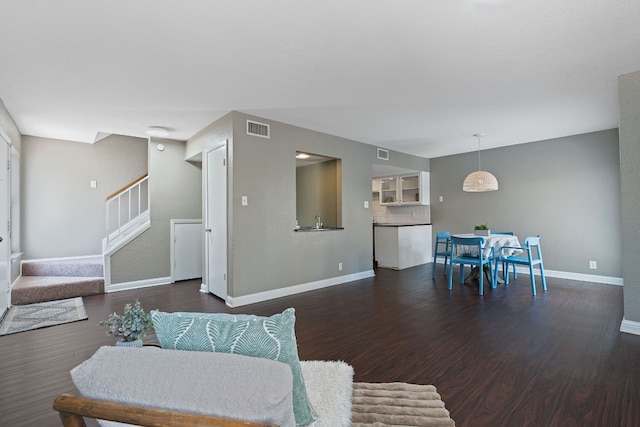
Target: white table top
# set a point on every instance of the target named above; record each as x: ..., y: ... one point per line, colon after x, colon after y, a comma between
x: 491, y: 241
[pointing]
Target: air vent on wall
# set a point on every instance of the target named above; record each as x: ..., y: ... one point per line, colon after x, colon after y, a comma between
x: 258, y: 129
x: 383, y: 154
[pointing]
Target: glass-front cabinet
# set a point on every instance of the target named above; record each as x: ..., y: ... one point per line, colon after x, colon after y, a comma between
x: 389, y: 190
x: 410, y: 189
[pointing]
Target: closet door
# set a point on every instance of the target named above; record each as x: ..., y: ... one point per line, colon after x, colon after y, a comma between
x: 216, y: 220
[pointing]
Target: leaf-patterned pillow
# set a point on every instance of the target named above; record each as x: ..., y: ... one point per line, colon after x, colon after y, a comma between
x: 267, y: 337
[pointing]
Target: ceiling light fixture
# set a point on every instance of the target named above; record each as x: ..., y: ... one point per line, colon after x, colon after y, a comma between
x: 480, y: 180
x: 302, y: 156
x: 157, y: 131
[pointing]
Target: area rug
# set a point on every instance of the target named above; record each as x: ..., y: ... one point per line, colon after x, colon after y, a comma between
x: 398, y: 404
x: 22, y: 318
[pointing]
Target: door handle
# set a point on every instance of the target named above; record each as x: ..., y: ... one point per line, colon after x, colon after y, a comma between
x: 208, y: 230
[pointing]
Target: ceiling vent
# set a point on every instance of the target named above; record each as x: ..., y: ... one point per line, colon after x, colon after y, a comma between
x: 258, y: 129
x: 383, y: 154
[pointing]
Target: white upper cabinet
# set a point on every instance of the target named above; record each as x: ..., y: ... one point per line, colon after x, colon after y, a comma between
x: 410, y: 189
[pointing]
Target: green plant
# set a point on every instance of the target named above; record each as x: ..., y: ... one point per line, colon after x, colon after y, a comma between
x: 132, y: 325
x: 481, y: 227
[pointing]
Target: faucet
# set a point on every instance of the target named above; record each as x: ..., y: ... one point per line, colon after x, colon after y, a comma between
x: 318, y: 223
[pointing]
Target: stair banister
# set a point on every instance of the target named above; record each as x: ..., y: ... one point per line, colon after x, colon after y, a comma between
x: 116, y: 198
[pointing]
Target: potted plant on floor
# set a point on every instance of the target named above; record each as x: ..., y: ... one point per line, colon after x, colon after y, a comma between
x: 130, y: 326
x: 481, y: 230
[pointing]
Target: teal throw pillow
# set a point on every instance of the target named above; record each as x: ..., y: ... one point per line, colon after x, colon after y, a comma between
x: 266, y: 337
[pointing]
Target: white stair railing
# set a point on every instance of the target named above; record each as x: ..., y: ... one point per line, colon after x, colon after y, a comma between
x: 127, y: 209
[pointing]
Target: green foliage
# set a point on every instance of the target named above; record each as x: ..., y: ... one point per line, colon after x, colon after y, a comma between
x: 132, y: 325
x: 481, y: 227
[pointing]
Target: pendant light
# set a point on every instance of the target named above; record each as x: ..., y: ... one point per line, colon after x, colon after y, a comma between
x: 480, y: 180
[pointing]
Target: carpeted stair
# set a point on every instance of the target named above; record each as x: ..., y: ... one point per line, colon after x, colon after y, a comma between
x: 55, y: 280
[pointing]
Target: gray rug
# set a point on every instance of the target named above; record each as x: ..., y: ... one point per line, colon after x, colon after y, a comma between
x: 22, y: 318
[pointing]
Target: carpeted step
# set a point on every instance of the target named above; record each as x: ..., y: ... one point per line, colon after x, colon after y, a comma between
x: 32, y: 289
x: 89, y: 267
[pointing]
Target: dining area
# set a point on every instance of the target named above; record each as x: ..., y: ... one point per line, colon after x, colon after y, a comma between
x: 489, y: 257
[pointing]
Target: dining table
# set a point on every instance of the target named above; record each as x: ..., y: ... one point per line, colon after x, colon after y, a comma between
x: 495, y: 241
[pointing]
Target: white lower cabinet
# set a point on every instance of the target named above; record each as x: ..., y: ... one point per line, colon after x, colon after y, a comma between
x: 402, y: 246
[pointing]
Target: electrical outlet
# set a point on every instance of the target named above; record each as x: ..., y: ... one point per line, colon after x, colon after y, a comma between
x: 340, y: 266
x: 593, y: 265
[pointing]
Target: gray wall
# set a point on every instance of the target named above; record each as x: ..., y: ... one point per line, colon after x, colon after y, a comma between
x: 629, y: 94
x: 567, y: 190
x: 265, y: 253
x: 175, y: 191
x: 61, y: 215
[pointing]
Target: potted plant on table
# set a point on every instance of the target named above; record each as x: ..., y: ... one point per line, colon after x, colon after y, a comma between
x: 481, y: 230
x: 130, y: 326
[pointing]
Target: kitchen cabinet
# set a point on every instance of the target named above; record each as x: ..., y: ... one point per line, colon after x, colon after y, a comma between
x: 389, y: 190
x: 402, y: 246
x: 410, y: 189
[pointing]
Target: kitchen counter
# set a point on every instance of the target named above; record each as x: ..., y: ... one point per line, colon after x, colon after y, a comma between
x: 384, y: 224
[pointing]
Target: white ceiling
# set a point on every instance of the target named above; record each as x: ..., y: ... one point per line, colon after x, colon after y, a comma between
x: 416, y: 76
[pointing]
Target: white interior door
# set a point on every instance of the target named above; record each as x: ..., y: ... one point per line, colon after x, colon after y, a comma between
x: 4, y: 224
x: 216, y: 220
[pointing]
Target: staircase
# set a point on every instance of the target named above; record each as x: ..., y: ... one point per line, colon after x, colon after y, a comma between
x: 127, y: 216
x: 58, y: 279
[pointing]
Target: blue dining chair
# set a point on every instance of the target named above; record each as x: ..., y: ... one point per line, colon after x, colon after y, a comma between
x: 443, y: 238
x: 504, y: 267
x: 473, y: 255
x: 532, y: 256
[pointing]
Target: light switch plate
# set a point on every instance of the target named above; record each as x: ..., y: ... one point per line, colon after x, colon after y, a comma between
x: 93, y: 184
x: 366, y: 204
x: 245, y: 200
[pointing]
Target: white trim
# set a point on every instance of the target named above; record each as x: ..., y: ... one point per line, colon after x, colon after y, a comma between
x: 607, y: 280
x: 204, y: 288
x: 129, y: 237
x: 4, y: 136
x: 296, y: 289
x: 137, y: 284
x: 630, y: 327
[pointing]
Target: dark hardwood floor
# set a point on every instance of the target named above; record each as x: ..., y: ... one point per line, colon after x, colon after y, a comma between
x: 504, y: 359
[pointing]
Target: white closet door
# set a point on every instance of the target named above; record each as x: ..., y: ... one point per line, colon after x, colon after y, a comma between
x: 216, y: 221
x: 187, y: 250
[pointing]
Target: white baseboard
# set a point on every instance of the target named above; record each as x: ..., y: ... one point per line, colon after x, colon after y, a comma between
x: 137, y: 284
x: 296, y: 289
x: 630, y: 327
x: 607, y: 280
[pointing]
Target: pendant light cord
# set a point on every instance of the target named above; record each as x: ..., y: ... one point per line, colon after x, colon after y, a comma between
x: 479, y: 168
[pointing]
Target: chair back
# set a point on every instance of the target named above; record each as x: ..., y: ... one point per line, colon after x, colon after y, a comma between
x: 466, y: 241
x: 510, y: 233
x: 531, y: 243
x: 443, y: 238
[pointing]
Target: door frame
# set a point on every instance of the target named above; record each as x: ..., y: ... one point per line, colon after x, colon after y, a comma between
x: 5, y: 229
